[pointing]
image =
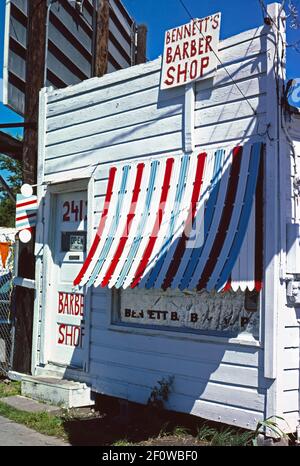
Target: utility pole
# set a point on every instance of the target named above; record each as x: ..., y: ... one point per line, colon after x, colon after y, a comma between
x: 102, y: 37
x: 35, y: 64
x: 141, y: 44
x: 102, y: 40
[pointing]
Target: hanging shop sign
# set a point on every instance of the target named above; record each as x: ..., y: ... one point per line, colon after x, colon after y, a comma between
x: 191, y: 52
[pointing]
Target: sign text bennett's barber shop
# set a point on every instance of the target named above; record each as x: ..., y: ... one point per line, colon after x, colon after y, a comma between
x: 190, y: 51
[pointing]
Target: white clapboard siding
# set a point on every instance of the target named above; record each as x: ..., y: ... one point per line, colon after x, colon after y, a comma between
x: 159, y: 145
x: 230, y: 111
x: 180, y: 346
x: 97, y: 112
x: 100, y: 189
x: 236, y: 129
x: 207, y: 98
x: 291, y: 357
x: 198, y: 371
x: 125, y: 116
x: 114, y: 122
x: 218, y: 412
x: 182, y: 366
x: 290, y: 400
x: 291, y: 360
x: 223, y: 133
x: 137, y: 132
x: 291, y: 337
x: 68, y: 103
x: 98, y: 109
x: 291, y: 379
x: 189, y: 386
x: 78, y: 121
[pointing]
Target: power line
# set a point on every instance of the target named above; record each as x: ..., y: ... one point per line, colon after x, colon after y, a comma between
x: 219, y: 60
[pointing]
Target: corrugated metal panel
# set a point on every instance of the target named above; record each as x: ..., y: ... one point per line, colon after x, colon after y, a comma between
x: 70, y: 45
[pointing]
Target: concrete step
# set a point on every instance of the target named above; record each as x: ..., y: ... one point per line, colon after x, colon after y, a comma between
x: 58, y: 392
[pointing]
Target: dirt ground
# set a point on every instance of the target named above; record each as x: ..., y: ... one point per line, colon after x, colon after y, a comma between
x: 139, y: 425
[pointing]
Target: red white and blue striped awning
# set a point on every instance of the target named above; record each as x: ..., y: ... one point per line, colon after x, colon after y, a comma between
x: 186, y: 222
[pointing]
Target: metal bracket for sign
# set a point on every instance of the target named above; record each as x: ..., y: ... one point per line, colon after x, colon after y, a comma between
x: 189, y: 118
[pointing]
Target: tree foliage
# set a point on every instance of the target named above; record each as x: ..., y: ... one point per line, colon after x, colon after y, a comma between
x: 14, y: 180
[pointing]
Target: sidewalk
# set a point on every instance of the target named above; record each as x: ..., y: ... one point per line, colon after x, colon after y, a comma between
x: 12, y: 434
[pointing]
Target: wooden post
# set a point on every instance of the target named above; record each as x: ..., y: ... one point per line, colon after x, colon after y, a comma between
x: 189, y: 119
x: 35, y: 63
x: 102, y: 35
x: 274, y: 297
x: 141, y: 56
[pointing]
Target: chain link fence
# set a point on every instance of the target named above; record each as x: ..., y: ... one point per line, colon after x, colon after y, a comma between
x: 7, y: 254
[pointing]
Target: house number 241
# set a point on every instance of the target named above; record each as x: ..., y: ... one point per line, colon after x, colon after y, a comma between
x: 74, y: 211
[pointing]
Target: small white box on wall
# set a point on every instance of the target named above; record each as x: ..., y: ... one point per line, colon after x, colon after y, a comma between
x: 293, y: 248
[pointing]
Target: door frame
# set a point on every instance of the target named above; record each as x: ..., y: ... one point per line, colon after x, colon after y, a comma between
x: 48, y: 241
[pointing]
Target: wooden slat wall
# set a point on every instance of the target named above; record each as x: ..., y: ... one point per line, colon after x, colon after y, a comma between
x: 70, y: 44
x: 291, y: 337
x: 218, y: 381
x: 133, y: 118
x: 126, y: 116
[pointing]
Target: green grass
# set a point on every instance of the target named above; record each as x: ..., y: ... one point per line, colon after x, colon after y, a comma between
x: 224, y: 437
x: 41, y: 422
x: 10, y: 389
x: 44, y: 423
x: 123, y: 443
x: 180, y: 432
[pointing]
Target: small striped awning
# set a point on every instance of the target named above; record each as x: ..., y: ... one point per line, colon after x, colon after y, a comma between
x: 186, y: 222
x: 26, y: 212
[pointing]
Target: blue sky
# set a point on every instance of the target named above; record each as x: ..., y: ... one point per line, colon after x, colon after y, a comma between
x: 159, y: 15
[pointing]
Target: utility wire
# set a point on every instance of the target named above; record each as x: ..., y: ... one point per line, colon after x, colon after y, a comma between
x: 219, y: 60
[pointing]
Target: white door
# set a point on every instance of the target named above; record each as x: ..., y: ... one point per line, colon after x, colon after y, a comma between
x: 66, y: 340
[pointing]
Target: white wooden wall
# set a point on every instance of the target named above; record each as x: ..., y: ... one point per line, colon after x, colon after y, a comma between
x: 291, y: 338
x: 125, y: 116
